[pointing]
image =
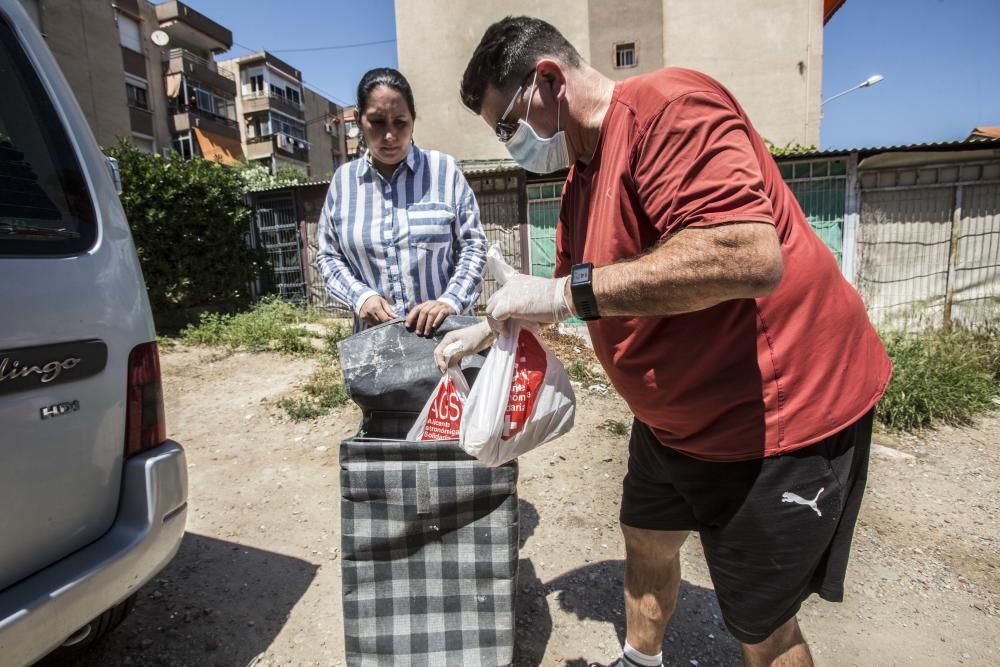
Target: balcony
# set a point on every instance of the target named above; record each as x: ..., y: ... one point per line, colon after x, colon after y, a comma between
x: 141, y: 120
x: 190, y: 29
x: 278, y: 144
x: 262, y: 101
x: 196, y: 68
x: 183, y: 118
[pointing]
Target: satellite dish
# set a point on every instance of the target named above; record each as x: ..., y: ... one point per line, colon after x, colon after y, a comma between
x: 160, y: 38
x: 353, y: 132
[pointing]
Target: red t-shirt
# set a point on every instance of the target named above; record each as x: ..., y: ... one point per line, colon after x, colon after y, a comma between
x: 747, y: 378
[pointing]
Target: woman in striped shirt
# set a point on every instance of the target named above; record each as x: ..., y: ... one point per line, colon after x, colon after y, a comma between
x: 399, y: 233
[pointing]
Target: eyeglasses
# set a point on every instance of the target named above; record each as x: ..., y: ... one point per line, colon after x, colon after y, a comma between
x: 505, y: 129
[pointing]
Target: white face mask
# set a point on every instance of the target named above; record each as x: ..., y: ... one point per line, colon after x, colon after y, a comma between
x: 538, y: 155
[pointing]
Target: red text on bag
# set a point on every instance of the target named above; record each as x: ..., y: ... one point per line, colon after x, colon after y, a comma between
x: 529, y: 375
x: 445, y: 416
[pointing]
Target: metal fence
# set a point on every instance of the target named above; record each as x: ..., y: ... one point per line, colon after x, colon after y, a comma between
x: 316, y: 294
x: 500, y: 198
x: 928, y: 244
x: 921, y: 242
x: 286, y: 223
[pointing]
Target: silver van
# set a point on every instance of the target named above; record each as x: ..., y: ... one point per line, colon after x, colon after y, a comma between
x: 93, y: 496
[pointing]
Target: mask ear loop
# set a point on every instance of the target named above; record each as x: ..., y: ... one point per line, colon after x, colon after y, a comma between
x: 531, y: 94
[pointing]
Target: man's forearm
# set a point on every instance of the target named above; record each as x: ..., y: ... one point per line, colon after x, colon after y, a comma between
x: 693, y: 270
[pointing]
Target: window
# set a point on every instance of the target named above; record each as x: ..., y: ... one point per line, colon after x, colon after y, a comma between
x: 257, y: 83
x: 286, y: 125
x: 205, y: 100
x: 625, y: 55
x: 255, y: 128
x: 45, y: 205
x: 184, y: 146
x: 292, y: 94
x: 128, y: 33
x: 136, y: 95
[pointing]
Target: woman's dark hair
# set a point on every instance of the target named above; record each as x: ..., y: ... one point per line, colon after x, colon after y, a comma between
x: 509, y: 49
x: 385, y: 76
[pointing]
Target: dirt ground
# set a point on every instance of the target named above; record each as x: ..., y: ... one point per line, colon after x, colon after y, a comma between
x: 257, y: 578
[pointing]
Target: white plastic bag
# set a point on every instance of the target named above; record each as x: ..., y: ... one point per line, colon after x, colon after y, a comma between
x: 442, y: 414
x: 522, y: 396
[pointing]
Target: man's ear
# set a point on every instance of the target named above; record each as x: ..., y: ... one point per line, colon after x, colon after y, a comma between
x: 550, y: 73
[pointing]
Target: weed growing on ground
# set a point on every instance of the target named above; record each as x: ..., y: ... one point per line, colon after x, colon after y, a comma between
x: 615, y: 427
x: 323, y: 392
x: 584, y: 373
x: 939, y: 377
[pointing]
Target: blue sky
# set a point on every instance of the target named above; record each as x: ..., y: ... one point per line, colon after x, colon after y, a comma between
x: 940, y: 59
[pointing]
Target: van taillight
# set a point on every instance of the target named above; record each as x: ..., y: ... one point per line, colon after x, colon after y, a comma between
x: 145, y: 425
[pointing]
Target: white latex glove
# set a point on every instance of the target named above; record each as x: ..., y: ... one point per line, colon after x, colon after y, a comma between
x: 530, y: 298
x: 461, y: 343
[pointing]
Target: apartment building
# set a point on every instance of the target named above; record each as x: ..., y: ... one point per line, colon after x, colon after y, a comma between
x: 145, y: 73
x: 352, y: 131
x: 271, y: 110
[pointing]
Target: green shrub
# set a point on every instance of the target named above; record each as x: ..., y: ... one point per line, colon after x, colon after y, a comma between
x: 944, y: 377
x: 189, y: 228
x: 257, y: 176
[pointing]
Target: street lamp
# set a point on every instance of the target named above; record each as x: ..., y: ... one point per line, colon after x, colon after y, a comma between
x: 870, y: 81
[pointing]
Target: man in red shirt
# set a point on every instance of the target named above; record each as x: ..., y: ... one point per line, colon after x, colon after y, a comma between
x: 720, y: 317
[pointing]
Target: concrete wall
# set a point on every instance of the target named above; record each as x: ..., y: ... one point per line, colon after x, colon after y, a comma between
x: 436, y: 38
x: 83, y: 36
x: 768, y: 52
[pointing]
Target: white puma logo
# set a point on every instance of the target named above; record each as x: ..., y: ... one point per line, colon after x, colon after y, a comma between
x: 789, y: 497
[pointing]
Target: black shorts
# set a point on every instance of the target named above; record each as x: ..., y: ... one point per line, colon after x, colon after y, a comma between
x: 774, y: 530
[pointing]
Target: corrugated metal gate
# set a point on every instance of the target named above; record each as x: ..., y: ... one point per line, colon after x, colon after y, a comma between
x: 543, y: 214
x: 277, y: 231
x: 929, y: 243
x: 820, y: 186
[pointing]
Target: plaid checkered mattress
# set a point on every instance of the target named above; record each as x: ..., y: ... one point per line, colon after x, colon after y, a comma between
x: 429, y: 562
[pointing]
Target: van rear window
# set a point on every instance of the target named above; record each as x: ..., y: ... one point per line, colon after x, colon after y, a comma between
x: 45, y: 206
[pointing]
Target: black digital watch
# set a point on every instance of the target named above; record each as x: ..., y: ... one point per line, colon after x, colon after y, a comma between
x: 582, y: 289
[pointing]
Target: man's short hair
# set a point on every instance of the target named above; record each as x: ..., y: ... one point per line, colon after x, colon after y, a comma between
x: 510, y: 48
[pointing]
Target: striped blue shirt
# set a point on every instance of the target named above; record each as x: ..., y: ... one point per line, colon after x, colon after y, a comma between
x: 411, y: 238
